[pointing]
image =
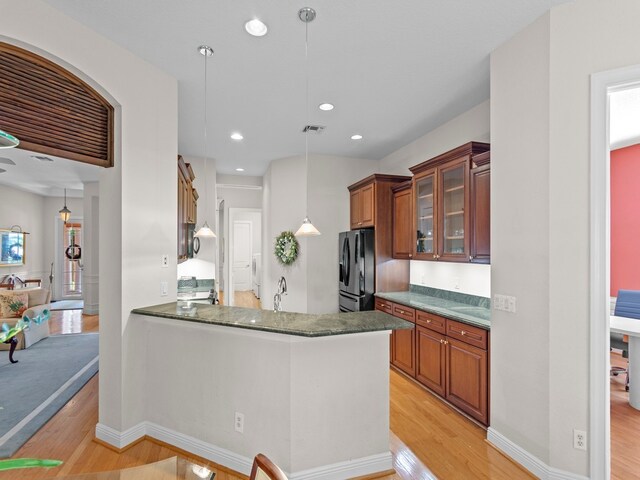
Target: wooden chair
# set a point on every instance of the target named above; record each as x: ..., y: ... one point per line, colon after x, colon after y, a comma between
x: 265, y: 469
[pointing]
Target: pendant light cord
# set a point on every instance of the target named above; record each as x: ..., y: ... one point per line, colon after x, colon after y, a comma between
x: 306, y: 56
x: 206, y: 206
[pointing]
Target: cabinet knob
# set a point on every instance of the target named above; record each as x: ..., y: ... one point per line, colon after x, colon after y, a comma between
x: 441, y: 341
x: 446, y: 342
x: 463, y: 332
x: 435, y: 256
x: 470, y: 257
x: 428, y: 321
x: 401, y: 312
x: 410, y: 256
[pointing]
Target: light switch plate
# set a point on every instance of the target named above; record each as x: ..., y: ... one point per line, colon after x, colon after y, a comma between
x: 165, y: 261
x: 506, y: 303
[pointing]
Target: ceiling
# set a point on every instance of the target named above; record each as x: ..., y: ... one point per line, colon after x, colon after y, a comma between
x: 48, y: 178
x: 393, y: 69
x: 624, y: 126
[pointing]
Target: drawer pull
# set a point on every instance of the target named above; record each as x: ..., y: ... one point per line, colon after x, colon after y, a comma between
x: 401, y: 312
x: 382, y: 305
x: 428, y: 320
x: 463, y: 332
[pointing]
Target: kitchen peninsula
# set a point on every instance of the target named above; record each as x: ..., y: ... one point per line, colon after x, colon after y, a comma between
x: 310, y: 391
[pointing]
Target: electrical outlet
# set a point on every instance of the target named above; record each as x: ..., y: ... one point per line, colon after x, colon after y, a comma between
x: 511, y: 304
x: 579, y: 439
x: 239, y: 422
x: 164, y: 289
x: 165, y: 261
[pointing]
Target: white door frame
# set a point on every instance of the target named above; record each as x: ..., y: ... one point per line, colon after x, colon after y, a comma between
x: 599, y: 309
x: 230, y: 218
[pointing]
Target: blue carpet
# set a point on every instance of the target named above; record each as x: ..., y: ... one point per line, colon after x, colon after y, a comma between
x: 46, y: 377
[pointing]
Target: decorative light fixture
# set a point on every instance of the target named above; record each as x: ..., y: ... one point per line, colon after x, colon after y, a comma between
x: 256, y: 28
x: 236, y: 136
x: 65, y: 213
x: 325, y: 107
x: 7, y: 140
x: 306, y: 14
x: 357, y: 136
x: 205, y: 231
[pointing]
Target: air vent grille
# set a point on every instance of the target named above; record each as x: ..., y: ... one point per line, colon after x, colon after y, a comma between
x: 42, y: 158
x: 313, y: 129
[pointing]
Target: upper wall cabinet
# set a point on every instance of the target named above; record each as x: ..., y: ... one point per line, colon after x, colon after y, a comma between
x: 402, y: 224
x: 480, y: 219
x: 371, y: 200
x: 446, y: 215
x: 187, y: 207
x: 363, y: 206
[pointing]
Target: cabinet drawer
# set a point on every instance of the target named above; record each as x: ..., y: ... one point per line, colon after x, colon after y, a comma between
x: 431, y: 321
x: 466, y: 333
x: 406, y: 313
x: 384, y: 306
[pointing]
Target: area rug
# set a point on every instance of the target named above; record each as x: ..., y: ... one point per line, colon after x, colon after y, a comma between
x: 46, y: 377
x: 68, y: 305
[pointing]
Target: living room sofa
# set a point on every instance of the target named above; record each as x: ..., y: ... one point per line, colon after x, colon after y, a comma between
x: 38, y: 301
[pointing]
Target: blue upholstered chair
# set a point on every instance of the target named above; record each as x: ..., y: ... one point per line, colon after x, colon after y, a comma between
x: 627, y: 305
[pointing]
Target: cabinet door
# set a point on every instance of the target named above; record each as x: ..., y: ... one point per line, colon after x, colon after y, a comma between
x: 367, y: 206
x: 182, y: 244
x: 480, y: 191
x: 453, y: 219
x: 424, y: 188
x: 431, y: 359
x: 355, y: 210
x: 466, y: 378
x: 403, y: 350
x: 402, y: 224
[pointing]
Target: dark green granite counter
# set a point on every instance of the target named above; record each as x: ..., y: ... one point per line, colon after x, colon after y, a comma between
x: 456, y: 306
x: 287, y: 323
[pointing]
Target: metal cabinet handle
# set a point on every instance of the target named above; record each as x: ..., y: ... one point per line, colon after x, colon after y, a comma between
x: 446, y: 342
x: 441, y: 341
x: 435, y: 256
x: 401, y: 312
x: 428, y: 320
x: 470, y: 258
x: 410, y: 256
x: 463, y: 332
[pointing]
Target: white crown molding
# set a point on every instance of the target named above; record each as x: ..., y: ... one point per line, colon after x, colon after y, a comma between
x: 528, y: 460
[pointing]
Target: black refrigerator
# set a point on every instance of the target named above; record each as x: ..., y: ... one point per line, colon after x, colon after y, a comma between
x: 357, y: 276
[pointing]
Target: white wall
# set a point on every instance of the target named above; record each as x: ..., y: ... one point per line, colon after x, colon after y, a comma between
x: 474, y: 279
x: 25, y: 209
x: 136, y: 194
x: 284, y: 207
x: 540, y: 244
x: 91, y: 250
x: 328, y: 208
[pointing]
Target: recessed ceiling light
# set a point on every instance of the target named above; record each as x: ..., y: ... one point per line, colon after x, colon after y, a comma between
x: 236, y: 136
x: 325, y: 106
x: 256, y: 28
x: 357, y: 136
x: 239, y: 169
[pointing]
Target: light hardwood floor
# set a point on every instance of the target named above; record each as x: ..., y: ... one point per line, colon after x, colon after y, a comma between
x: 425, y: 432
x: 243, y: 299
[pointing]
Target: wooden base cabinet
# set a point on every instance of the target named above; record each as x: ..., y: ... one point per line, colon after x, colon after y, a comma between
x: 448, y: 357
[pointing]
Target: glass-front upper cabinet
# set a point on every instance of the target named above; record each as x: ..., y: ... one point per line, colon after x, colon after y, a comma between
x: 453, y: 214
x: 425, y: 215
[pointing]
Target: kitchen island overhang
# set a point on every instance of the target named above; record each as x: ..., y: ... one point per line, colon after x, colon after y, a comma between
x: 313, y: 389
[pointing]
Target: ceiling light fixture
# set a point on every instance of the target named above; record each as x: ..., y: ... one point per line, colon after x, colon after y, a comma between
x: 239, y: 169
x: 357, y: 136
x: 65, y: 213
x: 306, y: 14
x: 7, y: 140
x: 256, y: 28
x: 205, y: 231
x: 236, y: 136
x: 325, y: 107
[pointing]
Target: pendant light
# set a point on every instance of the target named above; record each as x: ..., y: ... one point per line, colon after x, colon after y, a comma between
x: 205, y: 231
x: 7, y: 140
x: 65, y: 213
x: 307, y: 14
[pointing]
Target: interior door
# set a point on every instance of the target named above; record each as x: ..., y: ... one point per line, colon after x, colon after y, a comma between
x: 242, y: 255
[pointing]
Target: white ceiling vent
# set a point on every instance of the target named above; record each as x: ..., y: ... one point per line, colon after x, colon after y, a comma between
x: 42, y: 158
x: 313, y: 129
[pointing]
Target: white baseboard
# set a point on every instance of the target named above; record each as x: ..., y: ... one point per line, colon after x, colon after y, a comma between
x: 527, y: 460
x: 241, y: 464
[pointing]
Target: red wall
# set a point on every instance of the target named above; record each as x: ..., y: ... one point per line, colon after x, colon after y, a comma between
x: 625, y: 219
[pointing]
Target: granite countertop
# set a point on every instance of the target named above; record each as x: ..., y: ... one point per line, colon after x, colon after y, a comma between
x: 287, y: 323
x: 456, y: 306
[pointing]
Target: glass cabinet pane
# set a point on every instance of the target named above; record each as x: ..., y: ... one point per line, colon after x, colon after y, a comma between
x: 453, y: 210
x: 424, y: 202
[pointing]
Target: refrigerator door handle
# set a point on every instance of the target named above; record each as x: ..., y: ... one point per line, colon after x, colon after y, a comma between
x: 345, y: 267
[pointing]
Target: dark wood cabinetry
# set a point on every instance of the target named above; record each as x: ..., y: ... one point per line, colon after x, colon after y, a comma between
x: 446, y: 356
x: 444, y: 205
x: 187, y: 206
x: 402, y: 221
x: 480, y: 218
x: 372, y: 206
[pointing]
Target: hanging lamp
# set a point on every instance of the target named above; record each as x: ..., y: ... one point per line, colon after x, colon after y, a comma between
x: 65, y: 213
x: 307, y: 14
x: 7, y: 140
x: 205, y: 231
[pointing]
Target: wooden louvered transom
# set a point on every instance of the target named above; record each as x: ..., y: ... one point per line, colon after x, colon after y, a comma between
x: 51, y: 110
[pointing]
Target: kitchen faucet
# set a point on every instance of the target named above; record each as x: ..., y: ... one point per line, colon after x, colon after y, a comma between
x: 277, y: 298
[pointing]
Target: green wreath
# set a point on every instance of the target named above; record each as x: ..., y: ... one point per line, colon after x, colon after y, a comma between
x: 286, y: 248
